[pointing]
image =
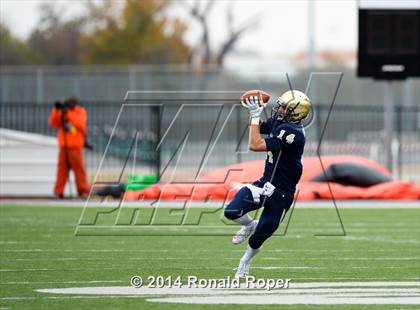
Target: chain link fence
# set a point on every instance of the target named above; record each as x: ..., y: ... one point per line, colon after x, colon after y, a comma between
x: 355, y: 130
x: 355, y: 127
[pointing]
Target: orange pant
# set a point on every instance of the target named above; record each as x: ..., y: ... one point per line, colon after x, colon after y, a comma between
x: 74, y: 161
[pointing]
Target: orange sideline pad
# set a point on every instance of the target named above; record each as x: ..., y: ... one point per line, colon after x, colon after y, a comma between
x: 223, y: 184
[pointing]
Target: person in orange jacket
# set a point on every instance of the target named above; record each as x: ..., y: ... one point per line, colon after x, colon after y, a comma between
x: 70, y: 119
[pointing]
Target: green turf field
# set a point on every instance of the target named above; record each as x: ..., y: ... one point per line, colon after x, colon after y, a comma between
x: 39, y: 250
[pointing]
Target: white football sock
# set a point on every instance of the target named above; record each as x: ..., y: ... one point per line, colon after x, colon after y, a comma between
x: 244, y: 220
x: 249, y: 254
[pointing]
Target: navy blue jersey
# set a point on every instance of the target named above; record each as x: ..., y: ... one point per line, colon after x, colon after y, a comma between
x: 285, y: 144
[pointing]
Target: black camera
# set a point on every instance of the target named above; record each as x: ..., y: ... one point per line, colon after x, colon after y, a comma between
x: 67, y: 104
x: 59, y: 105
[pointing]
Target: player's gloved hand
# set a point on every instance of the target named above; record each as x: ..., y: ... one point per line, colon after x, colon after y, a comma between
x: 268, y: 189
x: 254, y: 106
x: 58, y: 105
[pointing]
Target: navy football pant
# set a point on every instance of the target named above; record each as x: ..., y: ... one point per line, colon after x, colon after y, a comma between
x: 275, y: 207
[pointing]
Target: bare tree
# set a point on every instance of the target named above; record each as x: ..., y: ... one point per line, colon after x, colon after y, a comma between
x: 234, y: 34
x: 200, y: 11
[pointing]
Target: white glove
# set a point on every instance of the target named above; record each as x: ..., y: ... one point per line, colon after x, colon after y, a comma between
x: 268, y: 189
x: 254, y: 107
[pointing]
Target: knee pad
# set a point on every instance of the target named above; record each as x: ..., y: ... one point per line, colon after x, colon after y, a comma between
x: 231, y: 213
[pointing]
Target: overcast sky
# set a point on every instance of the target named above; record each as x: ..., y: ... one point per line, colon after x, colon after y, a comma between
x: 283, y: 28
x: 283, y: 23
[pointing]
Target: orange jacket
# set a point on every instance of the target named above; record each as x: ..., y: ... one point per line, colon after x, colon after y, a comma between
x: 77, y: 118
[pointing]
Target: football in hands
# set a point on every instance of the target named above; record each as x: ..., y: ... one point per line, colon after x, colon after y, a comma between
x: 255, y: 92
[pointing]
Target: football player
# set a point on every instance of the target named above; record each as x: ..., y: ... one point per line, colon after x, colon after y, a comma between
x: 274, y: 191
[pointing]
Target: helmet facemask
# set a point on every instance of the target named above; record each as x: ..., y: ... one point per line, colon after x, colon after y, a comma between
x: 284, y: 112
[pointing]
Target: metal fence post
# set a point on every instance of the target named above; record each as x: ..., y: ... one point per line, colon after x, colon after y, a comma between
x: 39, y: 85
x: 158, y: 116
x: 132, y: 79
x: 388, y: 123
x: 76, y: 87
x: 318, y: 122
x: 238, y: 135
x: 399, y: 112
x: 5, y: 89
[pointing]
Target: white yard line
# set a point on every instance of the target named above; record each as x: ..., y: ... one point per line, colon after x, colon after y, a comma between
x: 302, y: 287
x: 287, y: 267
x: 171, y: 267
x: 291, y: 300
x: 54, y: 269
x: 374, y: 279
x: 371, y: 292
x: 68, y: 297
x: 343, y: 258
x: 61, y: 282
x: 385, y: 240
x: 197, y: 268
x: 199, y: 250
x: 368, y: 279
x: 183, y: 258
